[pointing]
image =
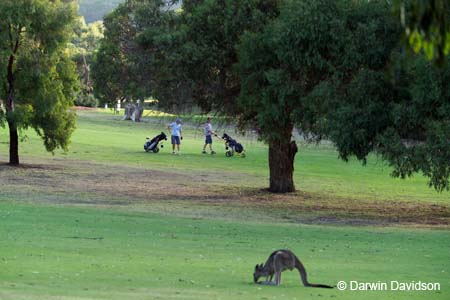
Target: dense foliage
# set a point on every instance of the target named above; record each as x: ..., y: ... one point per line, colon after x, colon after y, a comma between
x: 82, y: 48
x: 211, y: 32
x: 138, y: 56
x: 427, y: 26
x: 405, y: 118
x: 37, y: 78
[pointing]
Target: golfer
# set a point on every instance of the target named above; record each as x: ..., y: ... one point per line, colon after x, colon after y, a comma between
x: 176, y: 137
x: 208, y: 136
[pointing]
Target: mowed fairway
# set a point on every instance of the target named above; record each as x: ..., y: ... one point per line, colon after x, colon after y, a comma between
x: 77, y: 253
x: 109, y: 221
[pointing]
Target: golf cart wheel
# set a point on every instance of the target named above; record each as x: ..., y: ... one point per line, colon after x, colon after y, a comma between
x: 156, y: 150
x: 229, y: 154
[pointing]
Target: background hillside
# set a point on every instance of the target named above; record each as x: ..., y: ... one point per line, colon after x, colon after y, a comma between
x: 95, y: 10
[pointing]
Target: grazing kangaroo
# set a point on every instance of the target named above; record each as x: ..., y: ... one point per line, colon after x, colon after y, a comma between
x: 278, y: 262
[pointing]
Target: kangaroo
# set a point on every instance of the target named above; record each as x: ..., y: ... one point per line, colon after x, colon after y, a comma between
x: 278, y: 262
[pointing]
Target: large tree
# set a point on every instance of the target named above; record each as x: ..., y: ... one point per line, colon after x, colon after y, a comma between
x: 133, y: 56
x: 310, y: 52
x: 37, y: 79
x: 112, y: 69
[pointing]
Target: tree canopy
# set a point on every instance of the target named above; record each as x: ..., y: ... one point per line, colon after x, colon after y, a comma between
x: 427, y: 26
x: 37, y: 78
x: 138, y: 58
x: 404, y: 117
x: 82, y: 48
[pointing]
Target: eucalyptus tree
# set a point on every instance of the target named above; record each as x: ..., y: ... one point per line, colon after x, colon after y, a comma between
x: 336, y: 69
x: 136, y: 39
x: 290, y: 70
x: 37, y: 79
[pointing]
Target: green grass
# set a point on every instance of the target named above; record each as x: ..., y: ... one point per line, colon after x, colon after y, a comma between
x: 102, y: 137
x: 50, y: 252
x: 86, y: 225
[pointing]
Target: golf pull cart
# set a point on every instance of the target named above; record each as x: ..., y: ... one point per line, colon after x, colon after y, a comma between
x: 232, y: 146
x: 153, y: 144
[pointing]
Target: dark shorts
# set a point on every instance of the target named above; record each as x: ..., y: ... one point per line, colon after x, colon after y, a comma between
x: 175, y: 140
x: 208, y: 139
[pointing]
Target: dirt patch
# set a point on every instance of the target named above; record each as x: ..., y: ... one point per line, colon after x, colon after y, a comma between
x: 315, y: 209
x: 80, y: 182
x: 8, y: 167
x: 334, y: 220
x: 65, y: 181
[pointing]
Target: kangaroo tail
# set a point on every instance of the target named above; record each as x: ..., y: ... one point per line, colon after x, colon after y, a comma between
x: 304, y: 276
x: 321, y: 286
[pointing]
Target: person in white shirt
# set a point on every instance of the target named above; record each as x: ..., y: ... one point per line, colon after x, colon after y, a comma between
x: 176, y: 137
x: 208, y: 136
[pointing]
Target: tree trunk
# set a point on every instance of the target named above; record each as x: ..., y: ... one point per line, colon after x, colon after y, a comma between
x: 281, y: 165
x: 13, y: 135
x: 13, y: 144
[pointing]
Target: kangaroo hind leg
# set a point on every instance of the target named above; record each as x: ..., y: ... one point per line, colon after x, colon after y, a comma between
x: 278, y: 278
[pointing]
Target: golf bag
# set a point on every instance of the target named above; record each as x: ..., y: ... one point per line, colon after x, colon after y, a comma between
x: 153, y: 144
x: 232, y: 146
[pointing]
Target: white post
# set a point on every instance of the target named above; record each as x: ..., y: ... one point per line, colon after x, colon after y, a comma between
x: 118, y: 107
